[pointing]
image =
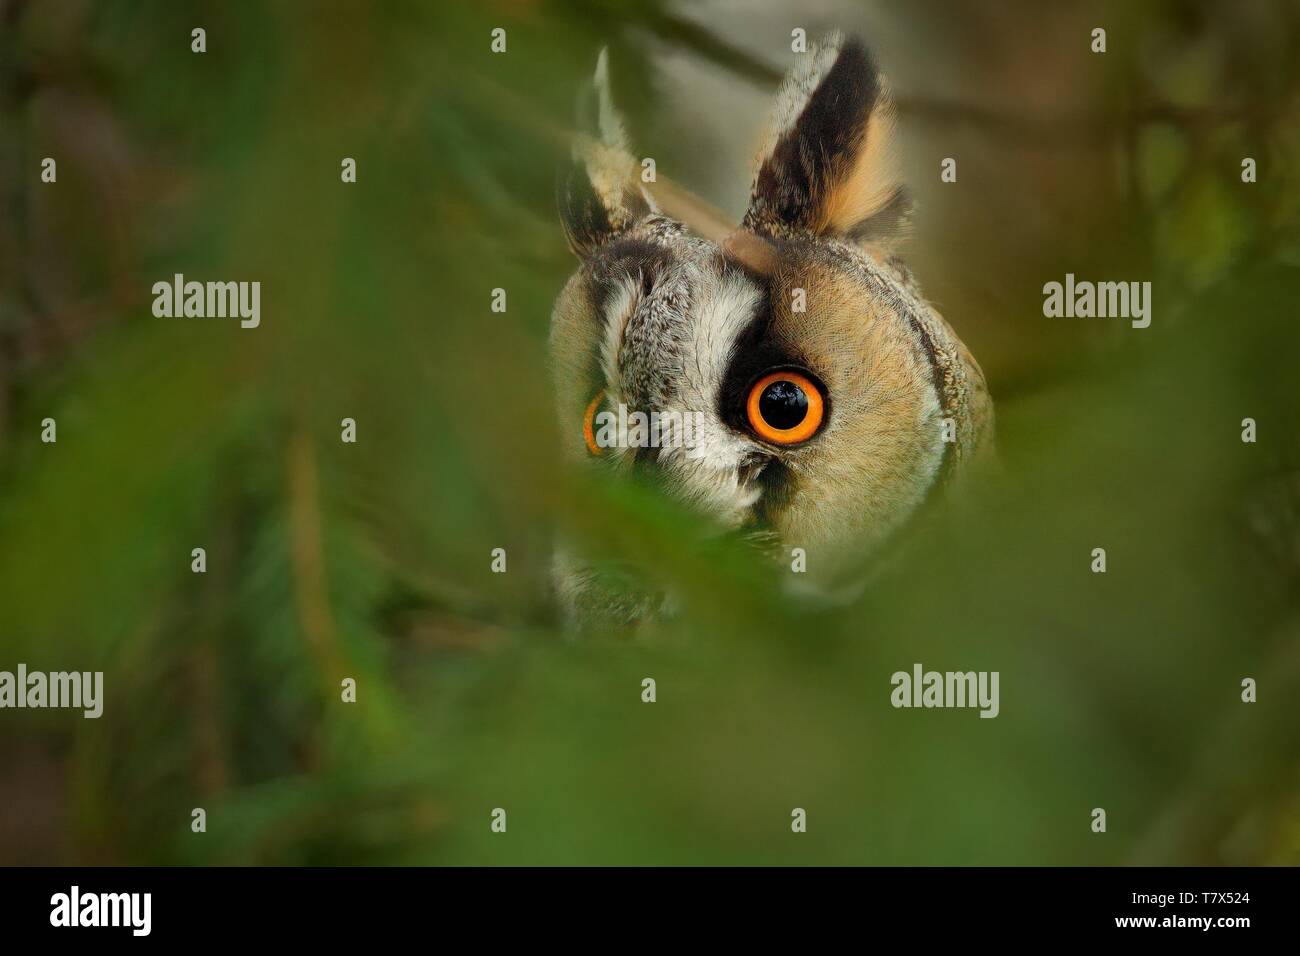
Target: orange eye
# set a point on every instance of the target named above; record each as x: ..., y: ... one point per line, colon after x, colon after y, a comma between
x: 785, y: 408
x: 589, y: 423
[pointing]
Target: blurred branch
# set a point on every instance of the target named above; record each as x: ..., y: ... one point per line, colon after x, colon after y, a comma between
x: 702, y: 217
x: 311, y: 590
x: 1058, y: 128
x: 698, y: 40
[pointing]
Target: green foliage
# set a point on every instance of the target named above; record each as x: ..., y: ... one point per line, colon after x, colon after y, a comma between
x: 371, y: 560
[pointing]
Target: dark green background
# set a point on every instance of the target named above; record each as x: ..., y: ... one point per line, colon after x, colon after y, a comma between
x: 371, y: 560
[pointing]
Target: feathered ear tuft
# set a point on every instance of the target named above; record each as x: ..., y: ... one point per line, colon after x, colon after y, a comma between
x: 828, y: 165
x: 600, y: 195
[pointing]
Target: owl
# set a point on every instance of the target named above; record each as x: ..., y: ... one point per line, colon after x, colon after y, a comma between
x: 786, y: 379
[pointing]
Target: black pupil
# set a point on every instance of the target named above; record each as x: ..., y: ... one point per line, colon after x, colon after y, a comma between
x: 783, y: 405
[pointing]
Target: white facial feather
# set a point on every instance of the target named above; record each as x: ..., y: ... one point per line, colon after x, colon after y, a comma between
x: 707, y: 474
x: 618, y: 309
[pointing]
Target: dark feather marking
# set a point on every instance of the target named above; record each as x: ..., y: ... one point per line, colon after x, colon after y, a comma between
x: 623, y: 259
x: 792, y: 183
x: 588, y: 223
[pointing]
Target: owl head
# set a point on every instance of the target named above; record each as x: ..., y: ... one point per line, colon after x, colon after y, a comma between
x: 803, y: 389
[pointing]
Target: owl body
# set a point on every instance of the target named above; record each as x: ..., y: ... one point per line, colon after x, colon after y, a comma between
x: 834, y: 399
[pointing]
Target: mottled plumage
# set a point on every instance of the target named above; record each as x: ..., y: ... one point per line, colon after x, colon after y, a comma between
x: 659, y: 319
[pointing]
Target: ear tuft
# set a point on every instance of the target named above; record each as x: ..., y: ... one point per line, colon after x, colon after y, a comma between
x: 600, y: 196
x: 828, y: 165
